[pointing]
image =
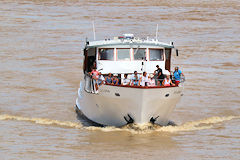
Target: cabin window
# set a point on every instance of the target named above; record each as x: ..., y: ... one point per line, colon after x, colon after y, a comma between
x: 139, y: 54
x: 123, y: 54
x: 106, y: 54
x: 156, y: 54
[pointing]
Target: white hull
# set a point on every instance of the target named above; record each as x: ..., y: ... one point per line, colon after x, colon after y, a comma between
x: 112, y: 103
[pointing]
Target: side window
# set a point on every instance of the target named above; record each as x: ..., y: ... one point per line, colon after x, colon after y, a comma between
x: 139, y: 53
x: 156, y: 54
x: 106, y: 54
x: 123, y: 54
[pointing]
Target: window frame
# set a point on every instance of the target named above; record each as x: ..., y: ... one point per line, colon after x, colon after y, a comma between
x: 106, y: 59
x: 130, y: 59
x: 156, y: 49
x: 139, y: 59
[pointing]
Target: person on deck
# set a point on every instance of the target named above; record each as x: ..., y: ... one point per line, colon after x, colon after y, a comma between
x: 100, y: 79
x: 108, y: 79
x: 144, y: 79
x: 158, y: 75
x: 125, y: 80
x: 167, y: 81
x: 135, y: 81
x: 177, y: 75
x: 158, y: 69
x: 151, y: 81
x: 160, y: 78
x: 134, y: 75
x: 95, y: 75
x: 115, y: 79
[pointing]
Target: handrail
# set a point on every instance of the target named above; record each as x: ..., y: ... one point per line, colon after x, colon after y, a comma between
x: 100, y: 81
x: 89, y: 84
x: 173, y: 79
x: 147, y: 87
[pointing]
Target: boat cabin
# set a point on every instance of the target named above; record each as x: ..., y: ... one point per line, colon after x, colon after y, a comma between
x: 127, y: 54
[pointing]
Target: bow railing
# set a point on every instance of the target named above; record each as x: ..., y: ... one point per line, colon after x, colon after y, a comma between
x: 90, y: 82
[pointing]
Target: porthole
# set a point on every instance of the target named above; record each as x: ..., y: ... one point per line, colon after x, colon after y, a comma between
x: 166, y: 95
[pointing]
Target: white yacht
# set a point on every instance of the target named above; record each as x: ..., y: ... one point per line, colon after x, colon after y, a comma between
x: 117, y: 105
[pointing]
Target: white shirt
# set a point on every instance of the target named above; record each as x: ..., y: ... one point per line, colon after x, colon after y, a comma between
x: 144, y: 80
x: 133, y: 76
x: 125, y: 81
x: 101, y: 78
x: 167, y: 82
x: 151, y: 82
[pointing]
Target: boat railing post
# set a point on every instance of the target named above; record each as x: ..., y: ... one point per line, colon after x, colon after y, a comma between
x: 87, y: 83
x: 93, y: 85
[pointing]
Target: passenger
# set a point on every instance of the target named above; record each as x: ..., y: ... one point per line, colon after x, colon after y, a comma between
x: 134, y: 76
x: 125, y: 80
x: 177, y: 75
x: 160, y: 78
x: 144, y: 79
x: 115, y: 79
x: 94, y: 73
x: 167, y: 81
x: 93, y: 65
x: 156, y: 74
x: 135, y: 81
x: 100, y: 79
x: 108, y: 79
x: 151, y: 81
x: 158, y: 69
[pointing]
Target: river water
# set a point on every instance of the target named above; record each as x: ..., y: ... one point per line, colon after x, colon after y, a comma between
x: 41, y: 44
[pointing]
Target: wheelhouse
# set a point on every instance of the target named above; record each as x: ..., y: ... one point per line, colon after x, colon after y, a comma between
x: 127, y: 55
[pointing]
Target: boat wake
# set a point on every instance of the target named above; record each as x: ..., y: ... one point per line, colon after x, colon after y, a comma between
x: 206, y: 123
x: 43, y: 121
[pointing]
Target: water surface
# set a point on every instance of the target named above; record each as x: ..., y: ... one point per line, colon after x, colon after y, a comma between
x: 41, y: 45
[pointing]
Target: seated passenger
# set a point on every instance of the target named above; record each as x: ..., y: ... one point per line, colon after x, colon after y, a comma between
x: 108, y: 79
x: 135, y: 81
x: 115, y: 79
x: 151, y: 81
x: 144, y: 79
x: 134, y: 75
x: 167, y: 81
x: 125, y: 80
x: 100, y: 79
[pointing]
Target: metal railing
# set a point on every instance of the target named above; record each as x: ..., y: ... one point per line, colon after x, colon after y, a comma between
x: 90, y: 83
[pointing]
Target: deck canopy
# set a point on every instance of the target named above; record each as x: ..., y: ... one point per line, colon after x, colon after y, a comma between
x: 129, y: 43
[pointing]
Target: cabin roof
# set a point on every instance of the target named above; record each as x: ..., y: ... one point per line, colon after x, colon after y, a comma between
x: 128, y: 43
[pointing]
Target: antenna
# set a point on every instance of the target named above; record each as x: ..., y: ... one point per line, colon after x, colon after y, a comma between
x: 157, y: 32
x: 94, y: 35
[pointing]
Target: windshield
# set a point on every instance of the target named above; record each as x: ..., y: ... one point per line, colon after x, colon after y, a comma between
x: 139, y: 53
x: 156, y: 54
x: 106, y: 54
x: 123, y: 54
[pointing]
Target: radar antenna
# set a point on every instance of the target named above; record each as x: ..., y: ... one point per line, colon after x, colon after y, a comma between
x: 94, y: 34
x: 157, y: 32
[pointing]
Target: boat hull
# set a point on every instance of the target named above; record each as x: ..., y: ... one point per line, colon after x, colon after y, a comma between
x: 112, y: 103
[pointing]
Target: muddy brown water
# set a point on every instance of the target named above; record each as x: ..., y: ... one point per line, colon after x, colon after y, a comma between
x: 41, y: 45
